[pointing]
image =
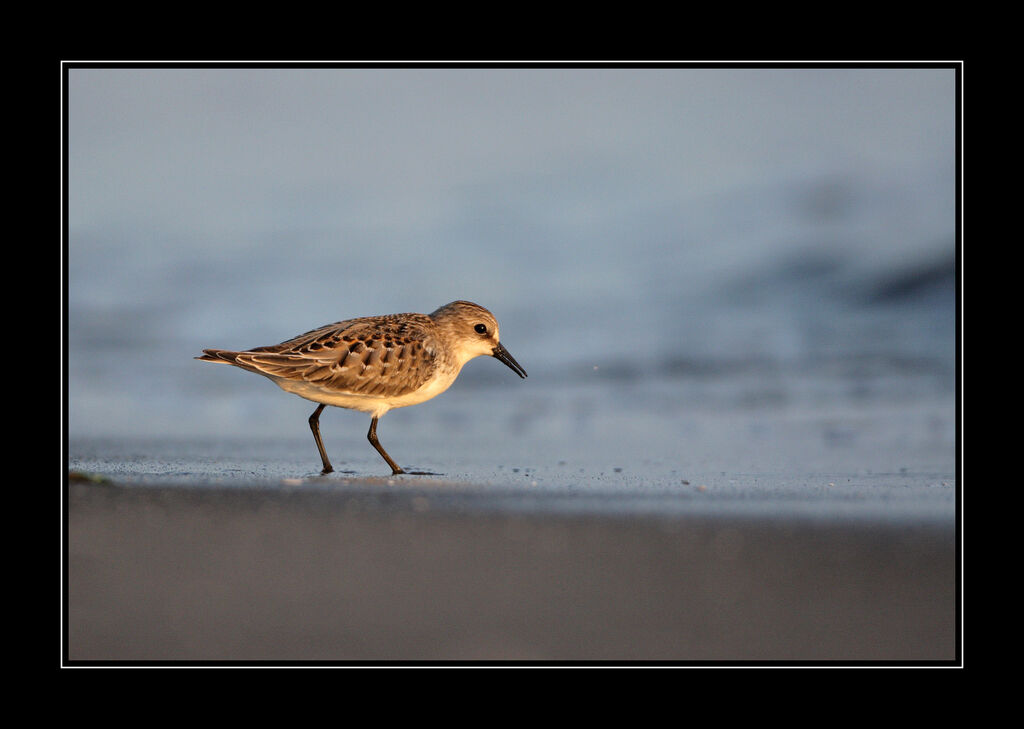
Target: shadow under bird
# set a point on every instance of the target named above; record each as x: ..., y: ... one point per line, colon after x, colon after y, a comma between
x: 377, y: 363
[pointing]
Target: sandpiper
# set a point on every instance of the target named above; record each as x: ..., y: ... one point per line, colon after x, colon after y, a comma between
x: 376, y: 363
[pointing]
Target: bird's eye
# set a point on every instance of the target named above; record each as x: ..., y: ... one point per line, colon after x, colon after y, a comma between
x: 480, y: 329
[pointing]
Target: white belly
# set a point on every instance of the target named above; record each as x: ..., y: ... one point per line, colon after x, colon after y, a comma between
x: 375, y: 405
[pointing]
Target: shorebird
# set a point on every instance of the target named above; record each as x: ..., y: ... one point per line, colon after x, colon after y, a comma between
x: 376, y: 363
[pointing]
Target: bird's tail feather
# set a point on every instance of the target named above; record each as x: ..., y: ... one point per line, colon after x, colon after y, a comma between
x: 219, y: 355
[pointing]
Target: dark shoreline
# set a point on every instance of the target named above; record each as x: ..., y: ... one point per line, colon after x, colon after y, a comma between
x: 177, y: 574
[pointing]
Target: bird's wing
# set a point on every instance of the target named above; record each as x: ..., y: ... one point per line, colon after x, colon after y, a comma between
x: 361, y: 356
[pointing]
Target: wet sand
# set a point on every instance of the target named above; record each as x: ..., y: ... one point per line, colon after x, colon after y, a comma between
x: 163, y: 574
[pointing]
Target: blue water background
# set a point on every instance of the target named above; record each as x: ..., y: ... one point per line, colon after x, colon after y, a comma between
x: 668, y: 251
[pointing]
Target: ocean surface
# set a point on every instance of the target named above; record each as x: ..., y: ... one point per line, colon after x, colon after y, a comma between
x: 733, y: 289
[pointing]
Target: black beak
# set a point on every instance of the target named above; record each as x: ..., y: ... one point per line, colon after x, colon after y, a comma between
x: 500, y: 353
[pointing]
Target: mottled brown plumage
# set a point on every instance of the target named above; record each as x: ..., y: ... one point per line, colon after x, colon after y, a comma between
x: 359, y: 356
x: 377, y: 363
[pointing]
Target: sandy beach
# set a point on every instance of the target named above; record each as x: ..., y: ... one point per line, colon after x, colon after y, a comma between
x: 166, y: 574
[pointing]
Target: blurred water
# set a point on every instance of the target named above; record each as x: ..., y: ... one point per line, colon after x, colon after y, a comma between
x: 670, y: 244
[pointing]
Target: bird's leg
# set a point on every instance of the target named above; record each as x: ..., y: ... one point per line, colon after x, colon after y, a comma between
x: 314, y: 425
x: 372, y: 437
